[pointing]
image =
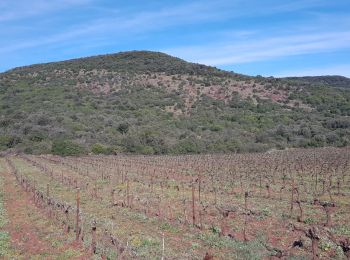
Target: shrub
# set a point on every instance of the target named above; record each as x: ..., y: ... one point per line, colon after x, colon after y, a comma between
x: 9, y: 141
x: 186, y: 146
x: 36, y: 136
x: 67, y: 148
x: 123, y: 128
x: 5, y: 122
x: 43, y: 120
x: 337, y: 123
x: 101, y: 149
x: 144, y: 149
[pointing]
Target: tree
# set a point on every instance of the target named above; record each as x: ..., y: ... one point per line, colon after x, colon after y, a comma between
x: 67, y: 148
x: 123, y: 128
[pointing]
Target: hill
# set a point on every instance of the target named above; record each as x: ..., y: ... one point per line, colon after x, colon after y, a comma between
x: 152, y: 103
x: 331, y: 81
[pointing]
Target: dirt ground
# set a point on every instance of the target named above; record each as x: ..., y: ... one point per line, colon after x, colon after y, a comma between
x: 151, y: 208
x: 32, y: 235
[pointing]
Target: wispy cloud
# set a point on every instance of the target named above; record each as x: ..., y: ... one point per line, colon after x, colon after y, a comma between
x: 139, y: 22
x: 252, y: 50
x: 220, y: 33
x: 191, y: 12
x: 21, y: 9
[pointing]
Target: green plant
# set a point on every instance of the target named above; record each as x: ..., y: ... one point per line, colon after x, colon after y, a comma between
x: 5, y: 248
x: 101, y: 149
x: 66, y: 148
x: 309, y: 221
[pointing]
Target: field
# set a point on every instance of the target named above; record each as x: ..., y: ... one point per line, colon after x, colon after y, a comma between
x: 290, y: 204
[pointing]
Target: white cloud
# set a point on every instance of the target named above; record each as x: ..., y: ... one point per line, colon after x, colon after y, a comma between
x: 267, y: 48
x: 240, y: 44
x: 126, y: 24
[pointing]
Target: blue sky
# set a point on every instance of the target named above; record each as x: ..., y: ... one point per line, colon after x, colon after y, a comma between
x: 255, y: 37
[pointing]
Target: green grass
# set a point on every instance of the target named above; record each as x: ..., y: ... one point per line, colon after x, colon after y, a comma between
x: 68, y: 254
x: 5, y: 248
x: 144, y: 233
x: 242, y: 250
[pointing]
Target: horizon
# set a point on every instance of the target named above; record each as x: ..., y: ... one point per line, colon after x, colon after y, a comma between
x: 293, y: 38
x: 115, y: 53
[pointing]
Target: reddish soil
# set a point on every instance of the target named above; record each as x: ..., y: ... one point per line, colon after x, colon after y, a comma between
x: 26, y: 226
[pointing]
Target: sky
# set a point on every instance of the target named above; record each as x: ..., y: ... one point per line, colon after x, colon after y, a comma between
x: 255, y: 37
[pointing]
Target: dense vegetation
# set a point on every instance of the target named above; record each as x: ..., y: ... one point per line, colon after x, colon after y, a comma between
x: 331, y: 81
x: 104, y: 105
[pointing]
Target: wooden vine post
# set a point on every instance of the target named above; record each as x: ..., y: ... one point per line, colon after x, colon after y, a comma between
x: 199, y: 187
x: 193, y: 204
x: 313, y: 235
x: 66, y: 212
x: 93, y: 235
x: 95, y: 188
x: 163, y: 246
x: 246, y: 194
x: 48, y: 198
x: 77, y: 216
x: 329, y: 209
x: 34, y: 192
x: 301, y: 214
x: 268, y: 188
x: 48, y: 191
x: 113, y: 197
x: 128, y: 193
x: 292, y: 199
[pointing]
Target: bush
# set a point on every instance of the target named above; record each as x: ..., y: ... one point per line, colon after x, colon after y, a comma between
x: 253, y: 148
x: 9, y: 141
x: 146, y: 150
x: 101, y: 149
x: 332, y: 138
x: 337, y: 123
x: 186, y: 146
x: 123, y: 128
x: 43, y: 147
x: 67, y: 148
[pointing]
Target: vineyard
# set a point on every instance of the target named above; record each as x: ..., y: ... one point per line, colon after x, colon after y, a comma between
x: 281, y: 204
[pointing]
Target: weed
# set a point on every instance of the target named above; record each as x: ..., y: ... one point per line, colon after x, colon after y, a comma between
x: 5, y: 249
x: 215, y: 230
x: 165, y: 226
x: 309, y: 221
x: 342, y: 230
x: 68, y: 254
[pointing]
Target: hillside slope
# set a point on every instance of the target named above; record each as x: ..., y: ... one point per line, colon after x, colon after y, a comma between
x: 149, y: 102
x: 331, y: 81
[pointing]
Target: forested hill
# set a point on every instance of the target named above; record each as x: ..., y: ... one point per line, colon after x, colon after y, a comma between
x: 152, y: 103
x: 331, y: 81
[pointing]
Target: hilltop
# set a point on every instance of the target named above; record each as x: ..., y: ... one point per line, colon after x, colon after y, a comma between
x: 152, y: 103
